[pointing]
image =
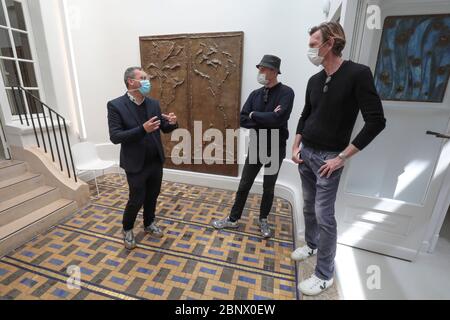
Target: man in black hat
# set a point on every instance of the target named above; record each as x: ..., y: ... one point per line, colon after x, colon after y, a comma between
x: 266, y: 108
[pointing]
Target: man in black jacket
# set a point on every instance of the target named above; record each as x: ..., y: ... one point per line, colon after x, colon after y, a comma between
x: 135, y: 121
x: 267, y: 108
x: 334, y: 97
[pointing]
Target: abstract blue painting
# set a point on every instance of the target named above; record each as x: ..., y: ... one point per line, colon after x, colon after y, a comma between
x: 414, y: 58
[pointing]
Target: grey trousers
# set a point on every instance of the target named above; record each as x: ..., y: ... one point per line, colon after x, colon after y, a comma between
x: 319, y: 196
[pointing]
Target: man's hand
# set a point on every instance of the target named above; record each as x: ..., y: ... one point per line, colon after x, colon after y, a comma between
x: 296, y: 155
x: 171, y: 117
x: 152, y: 125
x: 277, y: 109
x: 330, y: 166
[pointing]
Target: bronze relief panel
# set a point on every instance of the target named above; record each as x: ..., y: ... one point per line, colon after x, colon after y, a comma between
x: 198, y: 77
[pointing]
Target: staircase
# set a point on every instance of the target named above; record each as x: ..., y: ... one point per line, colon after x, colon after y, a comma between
x: 27, y: 205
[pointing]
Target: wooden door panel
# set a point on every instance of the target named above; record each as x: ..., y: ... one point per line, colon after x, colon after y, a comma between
x: 198, y: 77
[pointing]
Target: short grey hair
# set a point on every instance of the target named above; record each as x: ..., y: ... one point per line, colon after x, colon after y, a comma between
x: 129, y: 74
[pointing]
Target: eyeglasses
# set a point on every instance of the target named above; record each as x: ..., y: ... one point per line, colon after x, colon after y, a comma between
x: 266, y: 95
x: 143, y: 78
x: 325, y: 88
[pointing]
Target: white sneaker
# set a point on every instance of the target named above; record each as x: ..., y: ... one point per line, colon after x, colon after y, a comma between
x: 303, y: 253
x: 314, y: 286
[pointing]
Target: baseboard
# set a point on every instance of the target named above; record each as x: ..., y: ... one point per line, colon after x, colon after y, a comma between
x: 430, y: 246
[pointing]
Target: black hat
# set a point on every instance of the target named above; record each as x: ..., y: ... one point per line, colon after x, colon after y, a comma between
x: 270, y: 61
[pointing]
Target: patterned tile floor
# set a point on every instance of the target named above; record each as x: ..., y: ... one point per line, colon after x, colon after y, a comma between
x: 192, y: 261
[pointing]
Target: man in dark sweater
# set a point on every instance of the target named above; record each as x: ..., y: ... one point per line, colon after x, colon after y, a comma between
x: 269, y: 109
x: 135, y: 122
x: 334, y: 97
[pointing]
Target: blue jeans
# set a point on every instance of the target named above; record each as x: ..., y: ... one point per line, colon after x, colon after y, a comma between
x: 319, y: 197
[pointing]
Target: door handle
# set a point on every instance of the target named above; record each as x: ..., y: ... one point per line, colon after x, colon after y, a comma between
x: 438, y: 135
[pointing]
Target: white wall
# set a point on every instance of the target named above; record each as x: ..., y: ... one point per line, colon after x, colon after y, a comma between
x: 106, y: 42
x: 105, y: 38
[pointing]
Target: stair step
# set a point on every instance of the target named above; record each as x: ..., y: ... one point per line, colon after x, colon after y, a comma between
x: 24, y: 183
x: 16, y: 233
x: 7, y: 163
x: 13, y: 170
x: 17, y: 207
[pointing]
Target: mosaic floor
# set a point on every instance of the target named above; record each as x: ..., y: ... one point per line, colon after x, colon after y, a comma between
x: 192, y: 260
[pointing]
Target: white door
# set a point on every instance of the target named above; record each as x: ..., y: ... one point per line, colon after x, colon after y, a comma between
x: 388, y: 191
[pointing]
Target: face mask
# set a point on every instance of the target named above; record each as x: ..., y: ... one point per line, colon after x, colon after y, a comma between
x: 262, y: 79
x: 313, y: 55
x: 145, y: 88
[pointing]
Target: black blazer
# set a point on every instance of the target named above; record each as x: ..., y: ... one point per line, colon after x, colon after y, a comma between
x: 126, y: 129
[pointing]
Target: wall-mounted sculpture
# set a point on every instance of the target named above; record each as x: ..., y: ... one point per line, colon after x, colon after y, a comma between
x: 198, y: 77
x: 414, y: 58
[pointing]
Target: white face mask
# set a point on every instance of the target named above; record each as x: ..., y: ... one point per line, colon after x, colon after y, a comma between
x: 262, y: 79
x: 313, y: 56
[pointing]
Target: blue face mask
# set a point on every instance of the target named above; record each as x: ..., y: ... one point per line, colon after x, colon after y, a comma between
x: 145, y: 88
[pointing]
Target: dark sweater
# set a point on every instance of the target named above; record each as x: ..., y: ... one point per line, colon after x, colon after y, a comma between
x: 328, y: 119
x: 151, y: 149
x: 263, y: 116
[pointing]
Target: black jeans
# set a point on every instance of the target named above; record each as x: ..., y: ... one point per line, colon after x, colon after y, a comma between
x: 145, y: 187
x: 248, y: 178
